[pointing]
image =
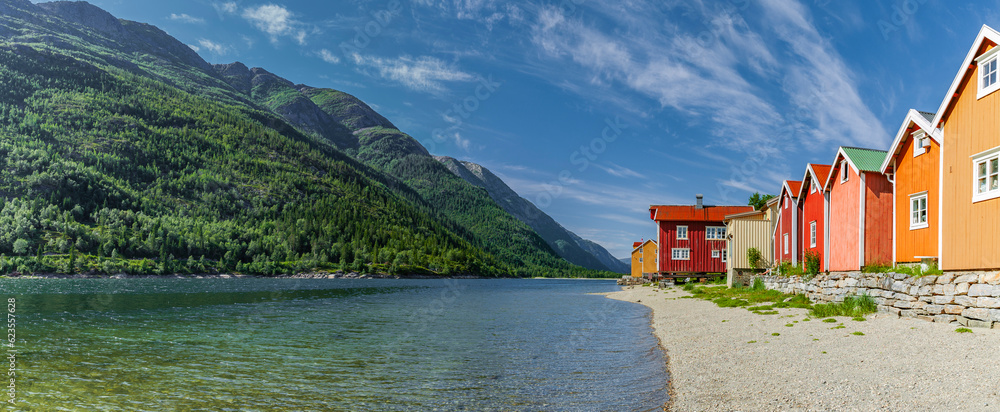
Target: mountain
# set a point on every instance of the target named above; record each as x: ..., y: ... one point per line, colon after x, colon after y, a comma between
x: 123, y: 150
x: 567, y: 244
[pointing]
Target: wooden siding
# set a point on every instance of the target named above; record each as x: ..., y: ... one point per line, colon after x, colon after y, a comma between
x: 701, y: 260
x: 844, y: 212
x: 746, y: 234
x: 813, y: 211
x: 788, y: 223
x: 970, y: 230
x: 915, y: 175
x: 878, y: 219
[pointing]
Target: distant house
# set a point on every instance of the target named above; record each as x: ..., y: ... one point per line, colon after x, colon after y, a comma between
x: 913, y: 163
x: 966, y: 125
x: 786, y: 231
x: 645, y: 258
x: 812, y: 200
x: 692, y: 239
x: 749, y: 230
x: 860, y: 228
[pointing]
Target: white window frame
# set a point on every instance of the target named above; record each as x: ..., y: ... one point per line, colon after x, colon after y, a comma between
x: 680, y: 253
x: 640, y: 260
x: 715, y: 254
x: 916, y: 197
x: 812, y: 234
x: 715, y: 233
x: 985, y: 157
x: 812, y: 188
x: 785, y: 238
x: 679, y: 237
x: 987, y: 59
x: 725, y: 254
x: 844, y: 175
x: 918, y: 142
x: 786, y: 203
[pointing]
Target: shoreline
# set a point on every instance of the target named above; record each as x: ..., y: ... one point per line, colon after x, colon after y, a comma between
x: 728, y: 359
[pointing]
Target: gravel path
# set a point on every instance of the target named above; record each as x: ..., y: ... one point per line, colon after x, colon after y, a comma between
x: 897, y: 365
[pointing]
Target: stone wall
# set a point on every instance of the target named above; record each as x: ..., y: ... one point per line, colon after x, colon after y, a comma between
x: 969, y: 298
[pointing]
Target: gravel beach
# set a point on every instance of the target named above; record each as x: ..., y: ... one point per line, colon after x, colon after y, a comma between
x: 797, y: 365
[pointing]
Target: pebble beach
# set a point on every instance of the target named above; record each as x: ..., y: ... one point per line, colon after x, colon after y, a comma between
x: 729, y: 359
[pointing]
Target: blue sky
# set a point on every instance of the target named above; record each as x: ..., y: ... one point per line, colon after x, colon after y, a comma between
x: 595, y: 109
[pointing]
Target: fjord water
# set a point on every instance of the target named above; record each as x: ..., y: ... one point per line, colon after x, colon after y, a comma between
x: 352, y: 345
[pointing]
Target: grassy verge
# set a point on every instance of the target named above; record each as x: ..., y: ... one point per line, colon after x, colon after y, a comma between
x: 756, y: 298
x: 853, y: 306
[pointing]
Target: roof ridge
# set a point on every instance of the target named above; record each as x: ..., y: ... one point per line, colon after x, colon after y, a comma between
x: 863, y: 148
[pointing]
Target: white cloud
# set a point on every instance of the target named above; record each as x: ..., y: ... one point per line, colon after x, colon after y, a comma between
x: 276, y: 21
x: 184, y: 18
x: 195, y: 48
x: 328, y: 57
x: 719, y: 75
x: 422, y: 73
x: 618, y: 171
x: 225, y: 8
x: 213, y: 47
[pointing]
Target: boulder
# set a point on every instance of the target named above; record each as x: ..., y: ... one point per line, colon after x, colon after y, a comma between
x: 980, y: 289
x: 976, y: 313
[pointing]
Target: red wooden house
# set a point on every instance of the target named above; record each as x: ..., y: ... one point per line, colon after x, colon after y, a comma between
x: 860, y: 223
x: 812, y: 208
x: 786, y: 231
x: 692, y: 239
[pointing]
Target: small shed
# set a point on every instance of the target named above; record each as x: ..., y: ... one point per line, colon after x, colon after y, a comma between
x: 860, y: 228
x: 745, y: 231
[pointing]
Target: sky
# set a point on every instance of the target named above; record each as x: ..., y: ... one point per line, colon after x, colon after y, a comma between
x: 596, y: 109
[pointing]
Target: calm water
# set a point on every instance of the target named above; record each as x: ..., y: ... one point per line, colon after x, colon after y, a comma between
x: 352, y: 345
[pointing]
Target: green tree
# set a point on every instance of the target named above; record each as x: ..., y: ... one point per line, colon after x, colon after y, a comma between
x: 758, y: 201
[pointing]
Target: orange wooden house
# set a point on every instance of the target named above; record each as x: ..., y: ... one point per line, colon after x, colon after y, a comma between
x: 966, y: 124
x: 787, y: 246
x: 860, y: 207
x: 913, y: 164
x: 645, y: 259
x: 812, y: 198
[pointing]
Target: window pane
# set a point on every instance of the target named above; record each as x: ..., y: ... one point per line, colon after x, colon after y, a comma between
x: 993, y: 183
x: 982, y: 169
x: 923, y: 203
x: 923, y: 216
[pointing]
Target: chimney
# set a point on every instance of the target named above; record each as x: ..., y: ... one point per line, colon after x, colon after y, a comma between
x: 698, y: 204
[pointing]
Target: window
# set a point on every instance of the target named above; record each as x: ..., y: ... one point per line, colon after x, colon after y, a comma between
x: 843, y: 171
x: 986, y: 175
x: 682, y: 232
x: 919, y: 137
x: 786, y: 203
x: 715, y: 254
x: 812, y: 234
x: 785, y: 237
x: 640, y: 260
x: 987, y: 73
x: 918, y: 211
x: 725, y: 253
x: 715, y: 233
x: 680, y: 254
x: 812, y: 188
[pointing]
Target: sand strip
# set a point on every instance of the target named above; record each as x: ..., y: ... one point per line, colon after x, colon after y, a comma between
x: 897, y: 365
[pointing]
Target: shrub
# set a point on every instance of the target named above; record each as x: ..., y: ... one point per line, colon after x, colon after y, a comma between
x: 754, y: 258
x: 811, y: 263
x: 876, y: 268
x: 788, y: 269
x: 917, y: 270
x: 758, y: 285
x: 851, y: 306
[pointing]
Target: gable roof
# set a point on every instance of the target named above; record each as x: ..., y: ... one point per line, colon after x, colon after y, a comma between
x: 986, y: 32
x: 919, y: 119
x: 818, y: 173
x: 690, y: 213
x: 744, y: 214
x: 638, y: 245
x: 792, y: 187
x: 861, y: 160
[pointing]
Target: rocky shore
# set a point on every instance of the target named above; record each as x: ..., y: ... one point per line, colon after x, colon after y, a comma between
x: 729, y: 359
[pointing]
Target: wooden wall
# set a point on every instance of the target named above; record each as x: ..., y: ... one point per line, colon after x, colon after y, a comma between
x: 844, y: 213
x: 915, y: 175
x: 788, y: 223
x: 701, y: 249
x: 878, y: 219
x: 812, y: 210
x: 971, y: 230
x: 749, y: 233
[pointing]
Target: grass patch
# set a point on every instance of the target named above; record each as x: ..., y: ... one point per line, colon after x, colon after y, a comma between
x: 806, y: 319
x: 859, y: 319
x: 830, y: 320
x: 755, y: 298
x: 876, y: 268
x: 963, y: 330
x: 775, y: 334
x: 839, y: 327
x: 858, y: 333
x: 917, y: 271
x: 851, y: 306
x: 753, y: 341
x: 789, y: 325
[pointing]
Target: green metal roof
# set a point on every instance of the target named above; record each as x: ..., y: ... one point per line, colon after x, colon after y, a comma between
x: 866, y: 160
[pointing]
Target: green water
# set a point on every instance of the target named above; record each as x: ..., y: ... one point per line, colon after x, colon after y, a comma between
x: 352, y: 345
